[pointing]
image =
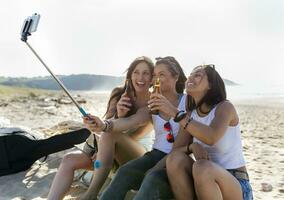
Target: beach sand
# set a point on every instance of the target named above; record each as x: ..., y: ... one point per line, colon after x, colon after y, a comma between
x: 262, y: 126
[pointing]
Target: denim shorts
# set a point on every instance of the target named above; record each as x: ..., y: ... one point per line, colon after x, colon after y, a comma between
x: 245, y: 185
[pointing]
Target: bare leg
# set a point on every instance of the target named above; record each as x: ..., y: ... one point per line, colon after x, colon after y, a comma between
x: 179, y: 170
x: 64, y: 176
x: 213, y: 182
x: 112, y: 145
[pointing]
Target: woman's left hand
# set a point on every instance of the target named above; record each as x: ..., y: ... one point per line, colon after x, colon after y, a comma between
x: 159, y: 102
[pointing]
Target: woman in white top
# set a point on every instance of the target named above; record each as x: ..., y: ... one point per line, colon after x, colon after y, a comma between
x: 132, y: 174
x: 219, y: 171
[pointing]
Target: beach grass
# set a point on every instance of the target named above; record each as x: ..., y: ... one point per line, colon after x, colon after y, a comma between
x: 22, y: 91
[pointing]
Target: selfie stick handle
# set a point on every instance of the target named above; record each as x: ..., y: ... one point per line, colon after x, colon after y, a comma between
x: 58, y: 81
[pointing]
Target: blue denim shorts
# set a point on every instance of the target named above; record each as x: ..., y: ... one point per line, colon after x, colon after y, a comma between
x: 245, y: 185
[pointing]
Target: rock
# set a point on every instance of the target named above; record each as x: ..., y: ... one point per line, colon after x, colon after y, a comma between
x: 81, y: 100
x: 33, y: 95
x: 47, y: 99
x: 63, y: 127
x: 4, y: 104
x: 266, y: 187
x: 54, y: 99
x: 51, y: 112
x: 46, y: 105
x: 64, y: 101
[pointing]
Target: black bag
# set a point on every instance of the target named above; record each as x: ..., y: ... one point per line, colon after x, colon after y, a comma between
x: 19, y: 149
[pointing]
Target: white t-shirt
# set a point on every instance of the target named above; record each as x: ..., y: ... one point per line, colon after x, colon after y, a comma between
x: 160, y: 140
x: 227, y: 152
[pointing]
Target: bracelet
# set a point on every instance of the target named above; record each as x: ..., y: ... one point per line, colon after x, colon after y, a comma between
x: 187, y: 123
x: 108, y: 126
x: 105, y: 123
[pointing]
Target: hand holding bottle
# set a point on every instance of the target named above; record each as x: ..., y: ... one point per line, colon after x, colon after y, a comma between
x: 123, y: 105
x: 126, y: 102
x: 156, y: 90
x: 160, y: 103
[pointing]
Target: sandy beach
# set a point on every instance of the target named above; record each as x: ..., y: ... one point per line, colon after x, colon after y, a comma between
x: 262, y: 125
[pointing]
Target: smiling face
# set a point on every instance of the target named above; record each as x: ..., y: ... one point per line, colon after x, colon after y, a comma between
x: 197, y: 82
x: 141, y: 77
x: 167, y: 79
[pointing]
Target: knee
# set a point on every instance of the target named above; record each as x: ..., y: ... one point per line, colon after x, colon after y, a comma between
x: 177, y: 161
x: 127, y: 171
x: 155, y: 177
x: 122, y: 171
x: 68, y: 162
x: 201, y: 171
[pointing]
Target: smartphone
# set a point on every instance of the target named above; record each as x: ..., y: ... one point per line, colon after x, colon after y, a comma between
x: 30, y: 25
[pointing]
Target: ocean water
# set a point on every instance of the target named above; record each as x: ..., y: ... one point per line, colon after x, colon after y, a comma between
x: 241, y: 92
x: 236, y: 92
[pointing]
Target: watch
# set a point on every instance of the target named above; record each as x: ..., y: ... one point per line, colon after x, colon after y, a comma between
x: 180, y: 115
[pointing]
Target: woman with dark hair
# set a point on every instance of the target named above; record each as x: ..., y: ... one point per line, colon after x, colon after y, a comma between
x: 219, y: 171
x: 132, y: 174
x: 121, y: 146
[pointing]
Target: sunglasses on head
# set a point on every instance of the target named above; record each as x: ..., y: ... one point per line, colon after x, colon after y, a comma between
x: 144, y: 58
x: 170, y: 136
x: 207, y: 65
x: 168, y: 60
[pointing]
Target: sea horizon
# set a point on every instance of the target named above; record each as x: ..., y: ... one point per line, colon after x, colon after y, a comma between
x: 235, y: 92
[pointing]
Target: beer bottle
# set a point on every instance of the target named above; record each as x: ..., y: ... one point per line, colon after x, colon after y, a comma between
x: 156, y: 90
x: 128, y: 91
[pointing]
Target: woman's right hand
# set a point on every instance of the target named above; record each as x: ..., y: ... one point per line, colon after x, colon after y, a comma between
x: 161, y: 103
x: 93, y: 123
x: 123, y: 105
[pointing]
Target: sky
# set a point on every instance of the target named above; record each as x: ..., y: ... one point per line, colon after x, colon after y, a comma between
x: 243, y: 38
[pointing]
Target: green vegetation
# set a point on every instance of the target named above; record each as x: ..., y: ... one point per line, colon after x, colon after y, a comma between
x: 24, y: 91
x: 2, y: 79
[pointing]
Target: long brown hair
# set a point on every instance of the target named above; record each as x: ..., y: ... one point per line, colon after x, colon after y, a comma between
x: 216, y: 93
x: 175, y: 69
x: 118, y: 91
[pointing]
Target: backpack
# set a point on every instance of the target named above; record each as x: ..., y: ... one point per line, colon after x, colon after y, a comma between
x: 20, y: 149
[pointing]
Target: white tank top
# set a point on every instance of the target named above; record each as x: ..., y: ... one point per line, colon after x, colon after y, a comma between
x: 227, y: 152
x: 160, y: 140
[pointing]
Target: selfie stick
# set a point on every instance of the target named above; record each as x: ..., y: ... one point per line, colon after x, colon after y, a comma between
x: 29, y: 26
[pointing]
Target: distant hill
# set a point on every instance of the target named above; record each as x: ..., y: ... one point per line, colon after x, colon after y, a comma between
x: 229, y: 82
x: 71, y: 82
